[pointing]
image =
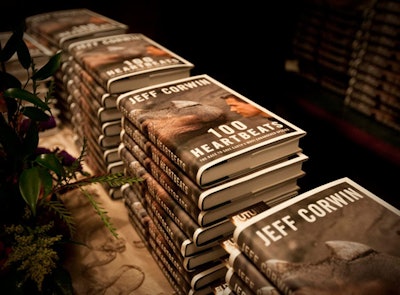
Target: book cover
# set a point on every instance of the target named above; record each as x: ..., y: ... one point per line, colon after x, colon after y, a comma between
x: 62, y: 27
x: 207, y: 198
x: 338, y: 236
x: 210, y: 131
x: 125, y: 62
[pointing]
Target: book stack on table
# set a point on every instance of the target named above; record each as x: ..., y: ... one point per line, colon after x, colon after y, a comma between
x: 57, y: 29
x: 204, y: 152
x: 98, y: 64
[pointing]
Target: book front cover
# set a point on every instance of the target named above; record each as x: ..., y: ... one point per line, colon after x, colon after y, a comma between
x: 200, y: 123
x: 63, y: 25
x: 336, y: 237
x: 113, y: 58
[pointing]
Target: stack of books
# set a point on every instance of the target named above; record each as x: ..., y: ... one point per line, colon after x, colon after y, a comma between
x: 338, y: 236
x: 100, y: 69
x: 56, y: 30
x: 204, y: 152
x: 322, y: 44
x: 100, y: 61
x: 373, y: 88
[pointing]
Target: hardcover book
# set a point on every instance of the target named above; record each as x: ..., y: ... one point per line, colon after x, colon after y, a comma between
x: 125, y: 62
x: 211, y: 132
x: 183, y: 188
x: 270, y: 190
x: 338, y: 236
x: 60, y: 28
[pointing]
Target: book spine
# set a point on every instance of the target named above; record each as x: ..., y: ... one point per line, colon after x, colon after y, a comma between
x: 250, y: 275
x: 175, y: 273
x: 134, y: 199
x: 87, y: 79
x: 177, y: 288
x: 187, y: 204
x: 236, y: 284
x: 184, y: 183
x: 165, y: 244
x: 171, y: 229
x: 131, y: 197
x: 167, y: 227
x: 138, y: 226
x: 173, y: 209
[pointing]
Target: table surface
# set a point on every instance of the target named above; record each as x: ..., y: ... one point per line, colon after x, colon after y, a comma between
x: 106, y: 265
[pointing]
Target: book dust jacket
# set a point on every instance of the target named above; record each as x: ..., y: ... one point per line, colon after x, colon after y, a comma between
x: 202, y: 126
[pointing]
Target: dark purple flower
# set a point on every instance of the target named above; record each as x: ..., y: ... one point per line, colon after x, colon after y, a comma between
x: 66, y: 158
x: 45, y: 125
x: 24, y: 125
x: 42, y: 150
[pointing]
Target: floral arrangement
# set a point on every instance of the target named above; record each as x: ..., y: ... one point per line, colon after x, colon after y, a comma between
x: 35, y: 224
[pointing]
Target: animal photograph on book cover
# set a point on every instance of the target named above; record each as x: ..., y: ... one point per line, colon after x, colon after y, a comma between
x: 203, y: 126
x: 63, y: 26
x: 127, y: 61
x: 338, y: 236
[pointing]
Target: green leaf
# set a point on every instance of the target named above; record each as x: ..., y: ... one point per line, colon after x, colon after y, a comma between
x: 18, y: 93
x: 49, y: 68
x: 11, y: 45
x: 47, y: 181
x: 9, y: 81
x: 24, y: 56
x: 30, y: 185
x: 51, y: 162
x: 35, y: 114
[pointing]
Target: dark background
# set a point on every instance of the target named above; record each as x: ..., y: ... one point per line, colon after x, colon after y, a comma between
x: 244, y: 46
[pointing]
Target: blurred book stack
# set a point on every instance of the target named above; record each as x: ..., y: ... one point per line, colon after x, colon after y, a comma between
x: 373, y: 88
x: 322, y: 44
x: 57, y: 29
